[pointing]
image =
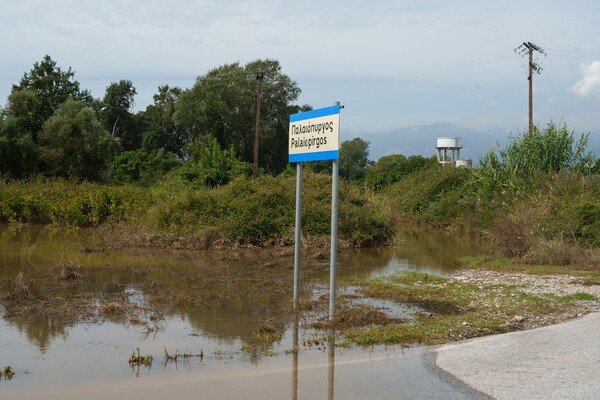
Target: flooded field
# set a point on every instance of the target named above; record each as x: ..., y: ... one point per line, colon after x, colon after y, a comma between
x: 204, y: 324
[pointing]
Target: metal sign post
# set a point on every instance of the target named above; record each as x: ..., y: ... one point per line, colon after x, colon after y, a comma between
x: 334, y: 224
x: 298, y: 228
x: 313, y: 136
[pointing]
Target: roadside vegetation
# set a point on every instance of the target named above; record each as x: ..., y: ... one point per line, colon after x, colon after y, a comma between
x: 535, y: 201
x: 178, y: 173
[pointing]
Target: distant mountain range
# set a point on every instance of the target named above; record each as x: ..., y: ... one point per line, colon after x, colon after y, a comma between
x: 421, y: 140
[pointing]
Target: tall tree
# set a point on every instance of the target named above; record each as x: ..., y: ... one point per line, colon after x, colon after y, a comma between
x: 160, y: 131
x: 74, y: 143
x: 354, y: 159
x: 40, y: 92
x: 116, y: 116
x: 18, y: 154
x: 223, y: 103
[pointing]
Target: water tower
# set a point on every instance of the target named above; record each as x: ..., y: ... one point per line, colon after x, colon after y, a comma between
x: 448, y: 150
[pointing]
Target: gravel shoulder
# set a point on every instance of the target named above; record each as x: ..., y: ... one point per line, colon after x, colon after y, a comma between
x: 559, y: 285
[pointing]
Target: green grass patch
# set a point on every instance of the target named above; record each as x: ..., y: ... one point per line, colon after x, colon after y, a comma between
x: 412, y: 277
x: 579, y: 297
x: 455, y: 311
x: 267, y: 336
x: 510, y: 265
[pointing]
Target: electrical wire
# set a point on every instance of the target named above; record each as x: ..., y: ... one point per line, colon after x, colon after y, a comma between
x: 573, y: 53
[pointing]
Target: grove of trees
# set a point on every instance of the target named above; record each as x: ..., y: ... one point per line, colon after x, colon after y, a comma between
x: 52, y: 127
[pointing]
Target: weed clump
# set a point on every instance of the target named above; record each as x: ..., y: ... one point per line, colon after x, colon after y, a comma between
x: 18, y: 289
x: 68, y: 271
x: 7, y: 373
x: 357, y: 316
x: 267, y: 335
x: 177, y: 356
x: 113, y: 308
x: 137, y: 360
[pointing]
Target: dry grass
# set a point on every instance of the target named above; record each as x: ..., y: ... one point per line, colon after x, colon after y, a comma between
x: 113, y: 308
x: 183, y: 300
x: 510, y: 239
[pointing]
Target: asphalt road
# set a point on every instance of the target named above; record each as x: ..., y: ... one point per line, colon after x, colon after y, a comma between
x: 554, y: 362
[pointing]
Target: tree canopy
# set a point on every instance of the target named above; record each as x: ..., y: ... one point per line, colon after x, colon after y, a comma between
x: 74, y: 143
x: 223, y: 103
x: 115, y: 114
x: 40, y: 92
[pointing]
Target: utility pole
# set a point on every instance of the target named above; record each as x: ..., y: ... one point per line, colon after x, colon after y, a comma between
x: 259, y: 77
x: 529, y: 48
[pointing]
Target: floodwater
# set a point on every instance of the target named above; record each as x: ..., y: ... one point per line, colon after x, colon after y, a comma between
x: 208, y: 307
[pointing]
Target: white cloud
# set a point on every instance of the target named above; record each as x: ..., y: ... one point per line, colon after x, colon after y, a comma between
x: 590, y: 83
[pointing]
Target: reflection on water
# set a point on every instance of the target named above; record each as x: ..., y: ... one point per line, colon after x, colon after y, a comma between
x: 204, y: 303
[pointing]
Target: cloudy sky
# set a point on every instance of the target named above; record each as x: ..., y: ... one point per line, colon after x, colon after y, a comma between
x: 391, y: 63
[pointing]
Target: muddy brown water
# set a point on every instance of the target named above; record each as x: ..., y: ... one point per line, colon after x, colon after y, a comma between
x: 192, y: 303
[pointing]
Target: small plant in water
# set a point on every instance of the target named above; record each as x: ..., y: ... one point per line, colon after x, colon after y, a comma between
x: 267, y: 335
x: 137, y: 360
x: 7, y: 373
x: 185, y: 356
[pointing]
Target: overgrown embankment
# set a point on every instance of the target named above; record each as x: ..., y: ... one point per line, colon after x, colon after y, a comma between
x: 538, y: 200
x: 242, y: 212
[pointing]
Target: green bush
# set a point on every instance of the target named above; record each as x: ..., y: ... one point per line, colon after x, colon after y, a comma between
x: 212, y: 165
x: 392, y: 168
x: 256, y: 212
x: 433, y: 194
x: 588, y: 224
x: 142, y: 166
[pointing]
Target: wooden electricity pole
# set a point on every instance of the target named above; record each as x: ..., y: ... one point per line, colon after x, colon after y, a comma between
x: 529, y: 48
x: 259, y: 77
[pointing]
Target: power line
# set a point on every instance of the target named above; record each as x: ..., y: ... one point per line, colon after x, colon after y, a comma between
x: 573, y: 53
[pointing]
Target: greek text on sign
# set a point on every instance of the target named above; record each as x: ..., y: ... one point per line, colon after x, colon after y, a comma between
x: 315, y: 135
